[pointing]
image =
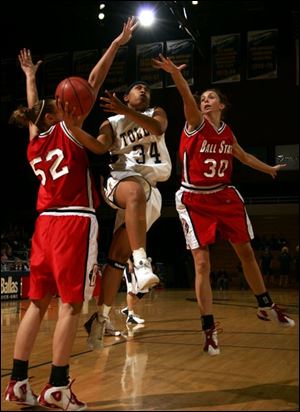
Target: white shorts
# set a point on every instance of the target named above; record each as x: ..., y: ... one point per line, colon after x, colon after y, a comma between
x: 131, y: 283
x: 153, y: 196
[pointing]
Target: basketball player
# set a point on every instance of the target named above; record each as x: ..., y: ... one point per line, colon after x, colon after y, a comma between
x: 207, y: 202
x: 136, y: 136
x: 66, y: 227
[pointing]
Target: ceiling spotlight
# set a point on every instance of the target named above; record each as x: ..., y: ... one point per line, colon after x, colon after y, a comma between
x: 194, y: 3
x: 101, y: 16
x: 146, y: 17
x: 102, y: 6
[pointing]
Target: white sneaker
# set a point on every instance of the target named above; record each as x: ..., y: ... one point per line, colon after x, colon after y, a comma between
x: 274, y: 313
x: 110, y: 330
x: 145, y: 277
x: 134, y: 319
x: 60, y: 397
x: 211, y: 342
x: 96, y: 335
x: 20, y: 392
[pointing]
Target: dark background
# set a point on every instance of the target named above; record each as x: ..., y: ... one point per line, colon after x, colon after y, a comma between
x: 264, y: 112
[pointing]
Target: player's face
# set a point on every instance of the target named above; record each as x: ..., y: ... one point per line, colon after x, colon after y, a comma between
x: 210, y: 102
x: 139, y: 97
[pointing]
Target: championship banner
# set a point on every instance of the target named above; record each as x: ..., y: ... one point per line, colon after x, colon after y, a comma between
x: 226, y: 58
x: 116, y: 79
x: 181, y: 52
x: 262, y: 54
x: 83, y: 62
x: 57, y: 68
x: 145, y: 70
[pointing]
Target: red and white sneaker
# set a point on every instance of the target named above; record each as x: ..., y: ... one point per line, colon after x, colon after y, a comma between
x: 60, y: 397
x: 274, y: 313
x: 211, y: 342
x: 20, y: 392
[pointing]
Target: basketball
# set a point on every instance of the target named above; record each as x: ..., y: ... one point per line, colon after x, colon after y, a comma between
x: 78, y: 93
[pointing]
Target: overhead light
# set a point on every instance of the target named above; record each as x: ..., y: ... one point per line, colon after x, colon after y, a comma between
x: 146, y: 17
x: 101, y: 16
x: 102, y: 6
x: 194, y: 3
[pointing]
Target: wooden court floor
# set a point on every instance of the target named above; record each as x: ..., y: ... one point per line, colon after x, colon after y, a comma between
x: 161, y: 367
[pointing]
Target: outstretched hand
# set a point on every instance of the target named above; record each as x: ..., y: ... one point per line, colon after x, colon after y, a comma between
x: 276, y: 169
x: 112, y: 103
x: 166, y: 64
x: 27, y: 65
x: 127, y: 31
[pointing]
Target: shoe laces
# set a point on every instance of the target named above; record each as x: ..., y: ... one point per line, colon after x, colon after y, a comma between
x: 214, y: 328
x: 280, y: 313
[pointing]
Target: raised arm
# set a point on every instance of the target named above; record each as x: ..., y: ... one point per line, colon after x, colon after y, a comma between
x: 157, y: 124
x: 192, y: 113
x: 252, y: 161
x: 30, y: 70
x: 99, y: 72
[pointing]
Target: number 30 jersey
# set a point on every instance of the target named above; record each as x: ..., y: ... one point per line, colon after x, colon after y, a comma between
x: 61, y: 163
x: 206, y: 156
x: 138, y: 150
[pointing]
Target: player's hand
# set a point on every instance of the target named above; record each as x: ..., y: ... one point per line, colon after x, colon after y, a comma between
x: 275, y: 169
x: 112, y: 104
x: 68, y: 114
x: 128, y: 29
x: 167, y: 65
x: 27, y: 65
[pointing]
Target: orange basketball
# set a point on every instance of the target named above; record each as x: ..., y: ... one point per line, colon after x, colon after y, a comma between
x: 78, y: 93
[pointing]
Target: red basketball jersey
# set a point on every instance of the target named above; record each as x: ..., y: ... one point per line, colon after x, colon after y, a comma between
x: 206, y: 155
x: 61, y: 163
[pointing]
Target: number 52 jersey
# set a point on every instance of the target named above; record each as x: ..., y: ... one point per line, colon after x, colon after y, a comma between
x: 62, y: 166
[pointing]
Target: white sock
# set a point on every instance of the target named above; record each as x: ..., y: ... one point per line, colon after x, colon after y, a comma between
x: 104, y: 310
x: 138, y: 255
x: 130, y: 312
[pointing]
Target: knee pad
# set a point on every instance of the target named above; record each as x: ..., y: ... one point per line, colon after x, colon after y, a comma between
x: 115, y: 264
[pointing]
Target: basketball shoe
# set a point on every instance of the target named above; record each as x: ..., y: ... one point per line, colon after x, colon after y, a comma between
x: 145, y: 277
x: 134, y: 319
x: 274, y: 313
x: 110, y: 330
x: 211, y: 341
x: 124, y: 311
x: 95, y: 328
x: 60, y: 397
x: 20, y: 392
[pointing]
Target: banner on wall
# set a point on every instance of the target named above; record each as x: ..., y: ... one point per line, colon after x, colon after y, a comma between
x: 145, y: 70
x: 181, y: 52
x: 57, y: 68
x: 226, y: 58
x: 262, y: 54
x: 117, y: 77
x: 83, y: 62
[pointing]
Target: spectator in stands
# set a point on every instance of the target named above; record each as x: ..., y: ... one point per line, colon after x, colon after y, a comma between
x: 284, y: 267
x: 243, y: 283
x: 266, y: 259
x: 222, y: 279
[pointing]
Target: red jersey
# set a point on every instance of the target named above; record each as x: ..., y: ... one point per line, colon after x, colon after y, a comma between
x: 61, y: 163
x: 206, y: 156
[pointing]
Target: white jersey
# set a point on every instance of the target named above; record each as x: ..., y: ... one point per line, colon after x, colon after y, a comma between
x: 138, y: 150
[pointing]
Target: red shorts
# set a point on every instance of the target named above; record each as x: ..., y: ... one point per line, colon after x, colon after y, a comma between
x: 203, y: 214
x: 63, y: 257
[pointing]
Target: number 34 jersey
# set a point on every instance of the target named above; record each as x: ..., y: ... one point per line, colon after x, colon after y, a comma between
x: 138, y: 150
x: 61, y: 163
x: 206, y: 155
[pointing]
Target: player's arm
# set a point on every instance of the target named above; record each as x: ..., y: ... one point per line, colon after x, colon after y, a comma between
x: 30, y: 70
x: 99, y: 72
x: 156, y: 125
x: 98, y: 145
x: 192, y: 113
x: 252, y: 161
